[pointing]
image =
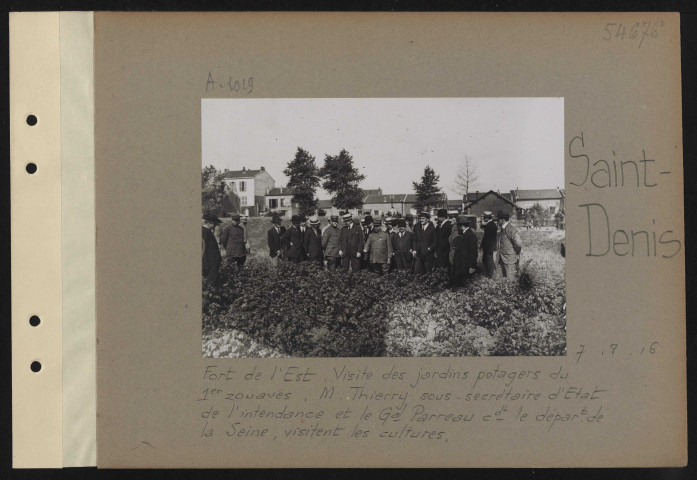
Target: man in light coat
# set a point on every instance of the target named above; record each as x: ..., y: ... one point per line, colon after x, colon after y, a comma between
x: 234, y: 241
x: 509, y: 246
x: 378, y: 249
x: 330, y: 243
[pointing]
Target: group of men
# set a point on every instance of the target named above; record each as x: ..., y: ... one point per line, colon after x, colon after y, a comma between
x: 379, y: 245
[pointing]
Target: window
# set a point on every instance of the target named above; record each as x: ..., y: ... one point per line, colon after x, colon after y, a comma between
x: 552, y: 208
x: 283, y: 202
x: 243, y: 187
x: 243, y: 201
x: 273, y: 203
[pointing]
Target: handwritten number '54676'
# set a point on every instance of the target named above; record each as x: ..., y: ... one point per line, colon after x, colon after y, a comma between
x: 639, y: 31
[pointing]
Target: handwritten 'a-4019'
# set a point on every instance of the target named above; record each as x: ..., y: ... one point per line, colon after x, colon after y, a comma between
x: 639, y: 31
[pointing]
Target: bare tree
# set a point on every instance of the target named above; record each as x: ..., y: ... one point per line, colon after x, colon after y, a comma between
x: 466, y: 177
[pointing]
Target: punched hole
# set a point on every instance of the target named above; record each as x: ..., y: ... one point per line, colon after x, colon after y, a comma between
x: 31, y: 120
x: 35, y: 366
x: 34, y: 321
x: 31, y: 168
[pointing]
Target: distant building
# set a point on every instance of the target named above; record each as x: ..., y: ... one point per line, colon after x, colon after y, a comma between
x: 280, y: 201
x: 250, y: 186
x: 492, y: 201
x: 551, y: 199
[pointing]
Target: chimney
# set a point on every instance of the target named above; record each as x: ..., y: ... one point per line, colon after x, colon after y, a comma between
x: 267, y: 189
x: 262, y: 169
x: 244, y: 169
x: 281, y: 189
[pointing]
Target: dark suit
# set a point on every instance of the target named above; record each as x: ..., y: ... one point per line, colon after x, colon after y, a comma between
x: 443, y: 244
x: 275, y: 243
x: 365, y: 264
x: 464, y: 256
x: 488, y: 247
x: 351, y: 243
x: 402, y: 247
x: 294, y: 244
x: 211, y: 257
x: 312, y: 244
x: 425, y: 246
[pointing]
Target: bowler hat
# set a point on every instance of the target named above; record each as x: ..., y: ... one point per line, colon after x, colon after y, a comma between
x: 209, y: 217
x: 442, y: 213
x: 236, y: 217
x: 463, y: 220
x: 368, y: 219
x: 275, y: 219
x: 503, y: 215
x: 401, y: 223
x: 295, y: 219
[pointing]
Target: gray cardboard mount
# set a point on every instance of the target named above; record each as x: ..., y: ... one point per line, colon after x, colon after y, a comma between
x: 621, y: 94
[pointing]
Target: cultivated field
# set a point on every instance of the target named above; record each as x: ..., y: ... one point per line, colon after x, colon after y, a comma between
x: 305, y: 311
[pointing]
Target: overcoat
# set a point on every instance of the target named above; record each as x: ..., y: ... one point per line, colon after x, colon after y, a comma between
x: 351, y: 240
x: 234, y: 240
x: 211, y: 255
x: 425, y: 240
x: 489, y: 240
x: 293, y: 241
x: 464, y: 253
x: 274, y: 240
x: 379, y: 247
x: 330, y: 241
x: 509, y: 244
x: 312, y: 243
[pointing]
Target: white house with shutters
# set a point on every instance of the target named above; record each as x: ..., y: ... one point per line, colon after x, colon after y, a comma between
x: 251, y: 187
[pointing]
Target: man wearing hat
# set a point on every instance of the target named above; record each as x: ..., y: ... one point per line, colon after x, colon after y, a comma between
x: 509, y: 246
x: 312, y: 241
x: 234, y: 241
x: 351, y: 243
x: 330, y: 243
x: 403, y: 246
x: 211, y: 251
x: 410, y: 222
x: 243, y: 224
x: 464, y: 253
x: 367, y: 230
x: 443, y: 232
x: 378, y: 248
x: 293, y: 240
x: 274, y: 240
x: 424, y: 244
x: 488, y: 244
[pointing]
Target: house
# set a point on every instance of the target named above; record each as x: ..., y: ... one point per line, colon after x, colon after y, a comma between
x: 551, y: 199
x: 280, y: 200
x: 401, y: 203
x: 250, y: 186
x: 491, y: 201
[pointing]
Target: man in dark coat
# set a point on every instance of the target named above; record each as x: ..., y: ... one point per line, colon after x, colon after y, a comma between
x: 211, y: 251
x: 293, y: 241
x: 443, y: 240
x: 312, y: 241
x: 367, y: 230
x: 464, y: 253
x: 330, y: 243
x: 403, y: 246
x: 351, y: 244
x: 234, y: 241
x: 274, y: 240
x: 424, y: 244
x: 488, y: 244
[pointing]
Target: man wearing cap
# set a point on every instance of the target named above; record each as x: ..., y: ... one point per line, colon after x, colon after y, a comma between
x: 403, y: 246
x: 367, y: 230
x: 488, y: 244
x: 464, y: 253
x: 211, y: 251
x: 378, y: 248
x: 293, y: 240
x: 234, y: 241
x: 351, y: 243
x: 330, y: 243
x: 443, y: 232
x: 274, y: 240
x: 509, y: 246
x: 312, y: 241
x: 424, y: 244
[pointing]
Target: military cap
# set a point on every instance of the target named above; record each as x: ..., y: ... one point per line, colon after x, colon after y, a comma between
x: 334, y: 218
x: 424, y: 215
x: 236, y: 217
x: 209, y: 217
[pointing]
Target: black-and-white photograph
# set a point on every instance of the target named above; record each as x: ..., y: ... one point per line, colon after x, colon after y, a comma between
x: 383, y: 227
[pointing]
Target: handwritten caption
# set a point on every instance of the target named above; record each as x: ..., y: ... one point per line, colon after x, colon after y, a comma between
x: 638, y: 32
x: 394, y: 403
x: 616, y: 172
x: 229, y: 83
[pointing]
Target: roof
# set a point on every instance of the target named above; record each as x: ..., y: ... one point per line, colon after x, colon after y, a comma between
x: 280, y: 191
x: 242, y: 173
x: 455, y: 203
x: 473, y: 197
x: 545, y: 194
x: 373, y: 191
x: 392, y: 198
x: 490, y: 192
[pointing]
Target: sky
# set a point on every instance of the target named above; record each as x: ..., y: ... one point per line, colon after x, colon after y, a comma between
x: 513, y: 142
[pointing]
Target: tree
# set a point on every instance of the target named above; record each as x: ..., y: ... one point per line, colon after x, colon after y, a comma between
x: 341, y: 179
x: 212, y: 190
x: 466, y: 177
x: 428, y: 194
x: 537, y: 215
x: 304, y: 179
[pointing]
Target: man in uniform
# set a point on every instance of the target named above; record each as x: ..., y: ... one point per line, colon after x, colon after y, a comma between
x: 211, y: 251
x: 464, y: 253
x: 378, y: 248
x: 234, y: 241
x: 425, y: 244
x: 351, y: 243
x: 488, y: 244
x: 443, y: 240
x: 293, y: 241
x: 312, y: 241
x: 403, y: 246
x: 274, y: 240
x: 330, y: 243
x: 509, y: 246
